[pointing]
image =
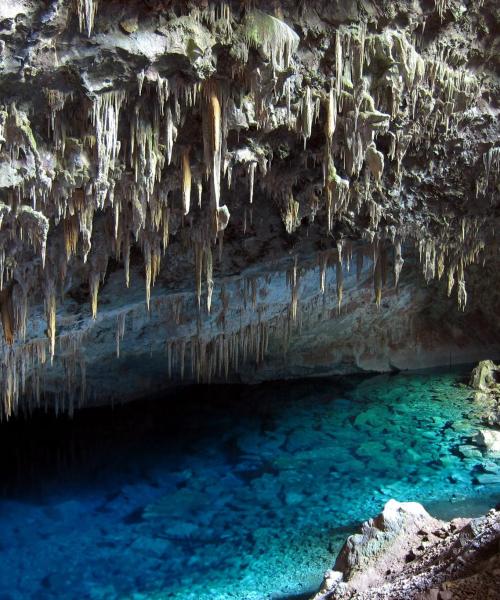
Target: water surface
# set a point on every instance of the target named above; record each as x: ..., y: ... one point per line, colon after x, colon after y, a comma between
x: 227, y: 493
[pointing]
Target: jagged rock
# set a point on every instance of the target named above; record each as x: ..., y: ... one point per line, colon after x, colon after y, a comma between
x: 387, y: 535
x: 484, y: 377
x: 405, y: 554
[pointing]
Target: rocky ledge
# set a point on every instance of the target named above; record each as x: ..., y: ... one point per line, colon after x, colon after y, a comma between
x: 405, y: 554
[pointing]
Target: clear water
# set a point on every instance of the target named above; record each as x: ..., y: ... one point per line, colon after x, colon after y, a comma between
x: 229, y: 493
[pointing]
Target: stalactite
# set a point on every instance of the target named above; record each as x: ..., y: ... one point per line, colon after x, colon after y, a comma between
x: 462, y: 292
x: 186, y: 181
x: 170, y: 133
x: 293, y: 282
x: 307, y: 115
x: 94, y: 280
x: 440, y: 265
x: 212, y: 140
x: 272, y: 36
x: 377, y: 281
x: 290, y: 215
x: 165, y: 227
x: 126, y: 258
x: 441, y: 7
x: 87, y: 10
x: 120, y: 331
x: 323, y: 263
x: 209, y: 276
x: 105, y: 119
x: 340, y: 283
x: 451, y: 278
x: 147, y: 270
x: 7, y: 313
x: 71, y: 232
x: 155, y: 260
x: 198, y: 260
x: 251, y: 175
x: 398, y: 262
x: 331, y: 116
x: 375, y: 160
x: 35, y: 226
x: 50, y: 311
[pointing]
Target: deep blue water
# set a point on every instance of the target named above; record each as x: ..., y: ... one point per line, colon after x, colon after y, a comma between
x: 242, y: 493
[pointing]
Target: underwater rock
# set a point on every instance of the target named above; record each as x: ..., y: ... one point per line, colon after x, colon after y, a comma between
x: 469, y: 451
x: 488, y: 478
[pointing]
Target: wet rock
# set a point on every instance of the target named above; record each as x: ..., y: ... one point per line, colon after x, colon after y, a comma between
x: 488, y: 478
x: 484, y: 376
x: 490, y: 467
x: 489, y: 439
x: 469, y: 451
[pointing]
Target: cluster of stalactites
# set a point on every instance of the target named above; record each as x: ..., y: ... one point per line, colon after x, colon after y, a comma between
x: 341, y: 257
x: 353, y: 120
x: 22, y: 373
x: 211, y: 358
x: 452, y: 253
x: 491, y: 164
x: 273, y: 37
x: 105, y: 119
x: 87, y: 10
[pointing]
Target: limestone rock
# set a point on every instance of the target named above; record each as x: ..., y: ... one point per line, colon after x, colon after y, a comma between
x: 405, y: 554
x: 385, y: 536
x: 489, y: 439
x: 484, y: 376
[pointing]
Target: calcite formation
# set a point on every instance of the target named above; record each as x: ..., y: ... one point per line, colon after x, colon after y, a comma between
x: 175, y: 175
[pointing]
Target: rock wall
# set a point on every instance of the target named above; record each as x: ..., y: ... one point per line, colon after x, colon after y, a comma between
x: 243, y: 190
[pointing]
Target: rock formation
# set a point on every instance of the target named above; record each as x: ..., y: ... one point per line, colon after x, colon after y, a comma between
x: 200, y: 190
x: 405, y: 554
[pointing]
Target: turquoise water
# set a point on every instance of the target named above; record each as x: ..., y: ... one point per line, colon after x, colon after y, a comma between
x: 242, y: 493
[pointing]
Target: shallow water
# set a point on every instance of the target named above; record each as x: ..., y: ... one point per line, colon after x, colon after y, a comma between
x: 243, y: 493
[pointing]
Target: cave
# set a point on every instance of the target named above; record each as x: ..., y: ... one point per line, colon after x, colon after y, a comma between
x: 249, y: 296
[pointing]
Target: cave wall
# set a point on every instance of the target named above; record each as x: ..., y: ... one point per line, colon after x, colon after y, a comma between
x: 198, y: 191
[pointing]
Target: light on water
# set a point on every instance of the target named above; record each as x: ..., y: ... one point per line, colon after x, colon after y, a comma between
x: 238, y: 493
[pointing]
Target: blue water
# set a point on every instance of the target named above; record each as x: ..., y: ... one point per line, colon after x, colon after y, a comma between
x: 242, y: 493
